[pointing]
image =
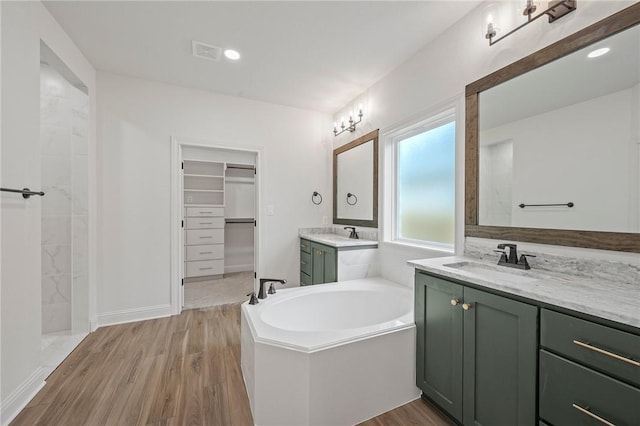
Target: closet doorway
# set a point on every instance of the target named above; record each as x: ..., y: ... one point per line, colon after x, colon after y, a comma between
x: 218, y: 197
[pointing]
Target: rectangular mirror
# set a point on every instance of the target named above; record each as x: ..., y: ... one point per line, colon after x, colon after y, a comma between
x: 355, y: 182
x: 553, y: 142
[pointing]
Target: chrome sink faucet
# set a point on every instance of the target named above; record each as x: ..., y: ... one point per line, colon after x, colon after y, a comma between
x: 510, y: 258
x: 262, y: 294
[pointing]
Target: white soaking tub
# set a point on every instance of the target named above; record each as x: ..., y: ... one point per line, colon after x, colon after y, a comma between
x: 330, y: 354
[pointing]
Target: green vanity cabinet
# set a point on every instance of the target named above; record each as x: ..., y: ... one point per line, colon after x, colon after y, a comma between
x: 318, y: 263
x: 589, y: 373
x: 324, y: 261
x: 476, y: 353
x: 439, y: 325
x: 305, y: 262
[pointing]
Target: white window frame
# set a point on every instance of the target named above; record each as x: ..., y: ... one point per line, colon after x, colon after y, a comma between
x: 433, y: 118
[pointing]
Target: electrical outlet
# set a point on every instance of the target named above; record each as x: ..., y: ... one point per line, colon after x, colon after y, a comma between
x: 325, y: 220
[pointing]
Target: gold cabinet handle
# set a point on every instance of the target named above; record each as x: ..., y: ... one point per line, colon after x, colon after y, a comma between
x: 607, y: 353
x: 454, y: 302
x: 466, y: 306
x: 592, y: 415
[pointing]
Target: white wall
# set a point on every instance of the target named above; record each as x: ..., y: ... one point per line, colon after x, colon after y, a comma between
x: 440, y: 72
x: 24, y: 24
x: 136, y: 119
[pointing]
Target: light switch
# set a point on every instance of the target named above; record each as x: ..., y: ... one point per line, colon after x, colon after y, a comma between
x: 270, y: 210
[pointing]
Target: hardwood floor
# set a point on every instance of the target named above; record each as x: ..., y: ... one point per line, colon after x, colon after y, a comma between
x: 415, y: 413
x: 181, y: 370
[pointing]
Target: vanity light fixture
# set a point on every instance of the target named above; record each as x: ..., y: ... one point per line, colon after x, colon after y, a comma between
x: 556, y: 9
x: 598, y: 52
x: 352, y: 123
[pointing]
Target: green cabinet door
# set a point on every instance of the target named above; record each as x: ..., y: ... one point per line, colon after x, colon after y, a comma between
x: 324, y: 264
x: 438, y: 319
x: 500, y: 360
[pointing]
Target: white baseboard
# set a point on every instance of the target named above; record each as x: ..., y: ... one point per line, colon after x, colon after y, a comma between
x: 135, y: 314
x: 229, y: 269
x: 20, y: 397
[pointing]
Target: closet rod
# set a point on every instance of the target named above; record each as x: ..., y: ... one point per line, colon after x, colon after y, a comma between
x: 240, y: 166
x: 239, y: 220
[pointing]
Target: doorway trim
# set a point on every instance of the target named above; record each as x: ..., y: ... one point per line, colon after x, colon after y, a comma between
x: 177, y: 232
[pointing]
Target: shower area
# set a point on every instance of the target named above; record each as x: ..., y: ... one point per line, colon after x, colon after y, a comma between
x: 64, y: 119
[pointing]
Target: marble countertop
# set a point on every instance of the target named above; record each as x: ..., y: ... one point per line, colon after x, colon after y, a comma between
x: 618, y: 302
x: 339, y: 241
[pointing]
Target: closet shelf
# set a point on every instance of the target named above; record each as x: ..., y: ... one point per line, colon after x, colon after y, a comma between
x: 203, y: 190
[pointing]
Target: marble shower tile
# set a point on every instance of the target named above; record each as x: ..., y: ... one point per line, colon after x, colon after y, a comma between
x: 56, y: 230
x: 56, y: 260
x: 56, y: 317
x: 79, y: 145
x: 80, y: 244
x: 56, y: 289
x: 57, y: 201
x: 80, y: 306
x: 79, y: 183
x: 56, y: 171
x: 52, y: 113
x: 55, y: 140
x: 52, y: 83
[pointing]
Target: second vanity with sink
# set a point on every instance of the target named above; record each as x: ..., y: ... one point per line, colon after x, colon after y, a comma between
x: 499, y: 345
x: 328, y: 257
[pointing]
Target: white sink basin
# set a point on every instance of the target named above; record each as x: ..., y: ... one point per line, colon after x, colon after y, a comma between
x: 494, y: 273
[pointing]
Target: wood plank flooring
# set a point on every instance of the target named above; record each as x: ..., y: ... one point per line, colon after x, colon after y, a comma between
x: 180, y: 370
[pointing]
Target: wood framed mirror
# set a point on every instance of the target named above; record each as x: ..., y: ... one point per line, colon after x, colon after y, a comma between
x: 355, y: 182
x: 540, y: 206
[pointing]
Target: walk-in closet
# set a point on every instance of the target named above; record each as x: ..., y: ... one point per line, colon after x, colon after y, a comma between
x: 219, y: 199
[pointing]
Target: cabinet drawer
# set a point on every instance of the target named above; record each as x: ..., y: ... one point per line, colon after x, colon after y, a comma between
x: 204, y: 236
x: 305, y: 279
x: 204, y: 222
x: 204, y: 211
x: 571, y: 394
x: 204, y: 252
x: 205, y: 267
x: 305, y: 246
x: 606, y: 349
x: 305, y: 263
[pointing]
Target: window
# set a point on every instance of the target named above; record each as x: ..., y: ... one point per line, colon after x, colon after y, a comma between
x: 424, y: 183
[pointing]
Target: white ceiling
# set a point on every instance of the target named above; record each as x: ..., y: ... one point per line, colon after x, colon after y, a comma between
x: 316, y: 55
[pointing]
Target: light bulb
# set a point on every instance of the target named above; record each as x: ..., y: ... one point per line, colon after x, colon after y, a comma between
x: 234, y: 55
x: 598, y: 52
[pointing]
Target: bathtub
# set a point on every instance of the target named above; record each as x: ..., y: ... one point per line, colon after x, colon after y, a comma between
x: 331, y: 354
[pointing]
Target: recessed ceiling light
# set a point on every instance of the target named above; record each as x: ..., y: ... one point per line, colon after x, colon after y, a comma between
x: 598, y: 52
x: 232, y: 54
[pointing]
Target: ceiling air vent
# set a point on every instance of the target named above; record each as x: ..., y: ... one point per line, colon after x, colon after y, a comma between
x: 205, y: 51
